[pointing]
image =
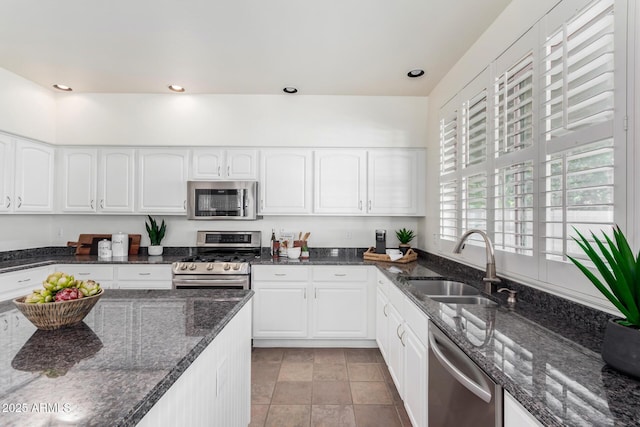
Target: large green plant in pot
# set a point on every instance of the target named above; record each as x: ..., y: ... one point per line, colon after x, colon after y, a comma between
x: 619, y: 269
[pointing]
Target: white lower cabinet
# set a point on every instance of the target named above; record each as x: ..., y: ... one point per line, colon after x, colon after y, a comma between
x: 144, y: 276
x: 19, y: 283
x: 401, y: 333
x: 321, y: 302
x: 515, y: 415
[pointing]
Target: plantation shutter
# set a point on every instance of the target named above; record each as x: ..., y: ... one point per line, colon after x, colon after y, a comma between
x: 474, y: 136
x: 513, y: 208
x: 449, y: 210
x: 449, y: 143
x: 577, y: 128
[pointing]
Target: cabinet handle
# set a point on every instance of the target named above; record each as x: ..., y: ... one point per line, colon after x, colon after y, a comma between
x: 262, y: 204
x: 218, y: 170
x: 315, y: 293
x: 369, y: 204
x: 86, y: 273
x: 360, y: 205
x: 305, y: 293
x: 228, y: 170
x: 384, y: 310
x: 279, y: 274
x: 402, y: 338
x: 184, y: 204
x: 398, y: 330
x: 102, y: 204
x: 340, y: 274
x: 144, y: 274
x: 91, y: 204
x: 19, y: 201
x: 8, y: 202
x: 24, y: 280
x: 6, y: 324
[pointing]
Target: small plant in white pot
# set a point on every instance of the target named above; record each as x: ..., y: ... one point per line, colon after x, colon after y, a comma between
x: 620, y: 270
x: 405, y: 237
x: 156, y: 234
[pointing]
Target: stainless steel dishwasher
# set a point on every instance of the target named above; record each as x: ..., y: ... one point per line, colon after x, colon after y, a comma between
x: 460, y: 393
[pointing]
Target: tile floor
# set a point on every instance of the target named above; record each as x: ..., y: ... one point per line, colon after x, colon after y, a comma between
x: 323, y: 387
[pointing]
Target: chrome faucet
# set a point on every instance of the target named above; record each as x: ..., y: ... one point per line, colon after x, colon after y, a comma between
x: 490, y: 279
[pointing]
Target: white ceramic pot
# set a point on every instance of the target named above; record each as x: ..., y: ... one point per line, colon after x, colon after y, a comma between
x: 155, y: 250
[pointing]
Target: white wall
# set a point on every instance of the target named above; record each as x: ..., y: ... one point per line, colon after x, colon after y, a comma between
x: 26, y: 108
x: 325, y: 231
x: 25, y: 231
x: 246, y: 120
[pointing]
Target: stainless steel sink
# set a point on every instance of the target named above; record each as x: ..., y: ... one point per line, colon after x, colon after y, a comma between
x: 443, y: 287
x: 475, y: 300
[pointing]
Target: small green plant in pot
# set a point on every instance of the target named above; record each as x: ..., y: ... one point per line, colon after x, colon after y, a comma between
x: 156, y: 234
x: 619, y: 269
x: 405, y: 237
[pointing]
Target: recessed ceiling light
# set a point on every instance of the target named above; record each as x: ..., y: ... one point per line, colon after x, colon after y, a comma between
x: 290, y: 89
x: 176, y: 88
x: 415, y: 73
x: 62, y: 87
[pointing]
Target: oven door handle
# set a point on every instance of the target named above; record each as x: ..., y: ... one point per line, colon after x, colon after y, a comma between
x: 203, y: 282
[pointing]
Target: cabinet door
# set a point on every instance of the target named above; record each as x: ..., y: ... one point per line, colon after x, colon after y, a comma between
x: 78, y: 173
x: 285, y: 182
x: 162, y: 180
x: 415, y: 378
x: 382, y: 323
x: 340, y: 181
x: 339, y: 310
x: 207, y: 163
x: 34, y: 177
x: 515, y: 415
x: 393, y: 182
x: 6, y: 174
x: 395, y: 352
x: 280, y: 310
x: 241, y: 164
x: 116, y: 180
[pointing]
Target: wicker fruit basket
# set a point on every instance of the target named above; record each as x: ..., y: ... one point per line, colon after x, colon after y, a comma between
x: 56, y: 315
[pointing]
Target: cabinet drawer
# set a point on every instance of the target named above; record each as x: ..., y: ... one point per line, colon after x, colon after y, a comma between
x: 340, y: 273
x: 145, y: 272
x: 383, y: 283
x: 274, y: 273
x: 19, y: 283
x: 396, y: 297
x: 87, y: 272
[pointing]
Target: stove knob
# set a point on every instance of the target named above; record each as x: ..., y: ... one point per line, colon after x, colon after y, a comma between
x: 192, y: 266
x: 226, y: 266
x: 183, y: 266
x: 236, y: 266
x: 210, y: 266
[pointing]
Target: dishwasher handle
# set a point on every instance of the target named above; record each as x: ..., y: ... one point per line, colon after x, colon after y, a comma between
x: 482, y: 392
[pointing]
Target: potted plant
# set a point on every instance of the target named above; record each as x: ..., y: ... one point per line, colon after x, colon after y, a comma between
x: 620, y: 270
x: 156, y: 234
x: 405, y: 236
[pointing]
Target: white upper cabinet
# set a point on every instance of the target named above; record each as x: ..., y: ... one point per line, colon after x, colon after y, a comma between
x: 224, y: 164
x: 285, y: 181
x: 6, y: 174
x: 162, y: 180
x: 78, y: 175
x: 96, y: 180
x: 33, y: 177
x: 116, y: 179
x: 395, y: 182
x: 340, y: 181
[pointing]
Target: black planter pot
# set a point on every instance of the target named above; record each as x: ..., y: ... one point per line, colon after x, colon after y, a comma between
x: 621, y: 348
x: 404, y: 248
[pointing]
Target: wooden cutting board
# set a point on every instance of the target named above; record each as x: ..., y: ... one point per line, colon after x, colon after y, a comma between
x: 87, y: 244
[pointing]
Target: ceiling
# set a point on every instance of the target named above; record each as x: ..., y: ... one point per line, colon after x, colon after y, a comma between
x: 326, y: 47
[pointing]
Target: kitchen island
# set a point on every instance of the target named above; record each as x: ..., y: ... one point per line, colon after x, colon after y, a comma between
x: 122, y: 365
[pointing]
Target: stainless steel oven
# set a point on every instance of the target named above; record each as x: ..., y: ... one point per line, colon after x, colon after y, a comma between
x: 222, y: 261
x: 222, y: 200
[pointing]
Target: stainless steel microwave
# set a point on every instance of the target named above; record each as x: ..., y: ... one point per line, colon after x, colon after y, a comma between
x: 233, y: 200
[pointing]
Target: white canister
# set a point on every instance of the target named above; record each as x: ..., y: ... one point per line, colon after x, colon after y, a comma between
x: 120, y: 245
x: 104, y: 249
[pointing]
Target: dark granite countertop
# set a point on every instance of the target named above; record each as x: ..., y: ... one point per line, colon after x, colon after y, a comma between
x: 111, y: 368
x: 545, y: 352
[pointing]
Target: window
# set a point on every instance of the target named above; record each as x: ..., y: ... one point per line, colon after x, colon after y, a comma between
x: 539, y: 151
